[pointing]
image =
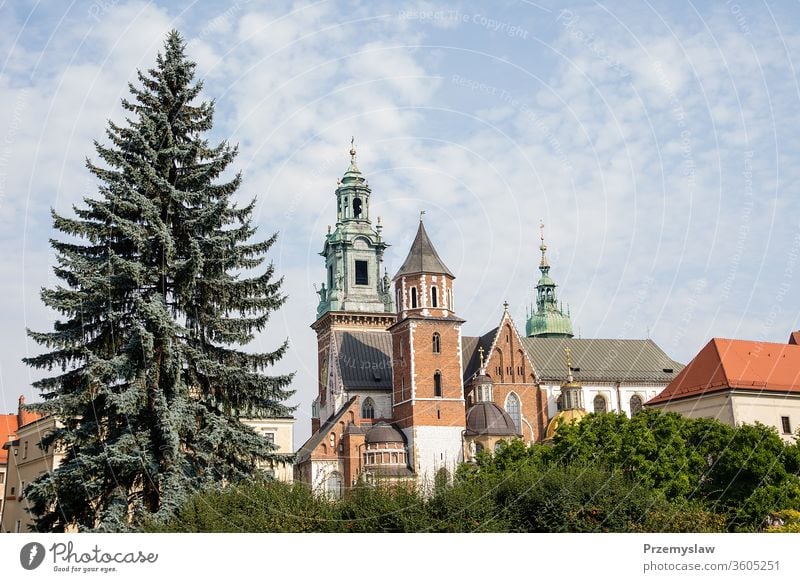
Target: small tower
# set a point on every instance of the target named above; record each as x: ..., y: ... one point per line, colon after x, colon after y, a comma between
x: 427, y: 374
x: 547, y: 319
x: 572, y: 398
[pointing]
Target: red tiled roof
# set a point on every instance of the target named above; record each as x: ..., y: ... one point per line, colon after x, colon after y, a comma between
x: 726, y: 363
x: 8, y: 429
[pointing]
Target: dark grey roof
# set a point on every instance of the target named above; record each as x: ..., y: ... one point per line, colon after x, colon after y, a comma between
x: 601, y: 360
x: 304, y: 452
x: 365, y: 359
x: 391, y: 471
x: 488, y: 418
x: 470, y: 357
x: 384, y: 433
x: 423, y: 258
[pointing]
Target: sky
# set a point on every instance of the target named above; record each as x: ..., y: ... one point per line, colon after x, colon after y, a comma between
x: 657, y: 142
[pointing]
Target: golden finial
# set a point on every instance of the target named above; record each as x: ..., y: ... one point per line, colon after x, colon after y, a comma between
x: 352, y: 148
x: 480, y: 353
x: 569, y: 364
x: 541, y: 231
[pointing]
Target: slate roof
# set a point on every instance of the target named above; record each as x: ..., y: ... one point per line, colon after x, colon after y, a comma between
x: 601, y: 360
x: 365, y: 359
x: 725, y: 364
x: 423, y: 258
x: 470, y: 356
x: 304, y: 452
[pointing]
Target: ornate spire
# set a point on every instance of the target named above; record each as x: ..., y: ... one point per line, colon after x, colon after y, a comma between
x: 353, y: 169
x: 543, y: 247
x: 548, y: 318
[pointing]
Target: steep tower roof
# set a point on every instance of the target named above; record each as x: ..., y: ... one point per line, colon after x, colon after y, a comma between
x: 423, y: 258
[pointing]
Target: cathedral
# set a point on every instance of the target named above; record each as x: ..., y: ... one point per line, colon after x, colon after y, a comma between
x: 404, y: 395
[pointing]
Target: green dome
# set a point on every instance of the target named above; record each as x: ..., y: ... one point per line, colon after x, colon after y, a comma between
x: 549, y: 324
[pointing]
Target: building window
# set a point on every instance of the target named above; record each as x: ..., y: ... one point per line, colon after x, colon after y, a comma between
x: 437, y: 343
x: 270, y: 437
x: 513, y: 409
x: 18, y: 526
x: 332, y: 438
x: 437, y: 384
x: 356, y: 207
x: 450, y: 299
x: 25, y: 450
x: 434, y: 297
x: 2, y: 478
x: 368, y: 409
x: 560, y: 402
x: 413, y: 298
x: 599, y: 404
x: 636, y: 404
x: 362, y: 274
x: 786, y: 425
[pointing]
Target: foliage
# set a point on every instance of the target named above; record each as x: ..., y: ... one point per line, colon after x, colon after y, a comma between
x: 150, y: 378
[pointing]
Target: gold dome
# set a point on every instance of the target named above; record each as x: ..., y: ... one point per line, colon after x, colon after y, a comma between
x: 566, y: 416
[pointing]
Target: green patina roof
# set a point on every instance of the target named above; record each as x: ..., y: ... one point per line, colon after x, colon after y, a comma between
x: 549, y: 324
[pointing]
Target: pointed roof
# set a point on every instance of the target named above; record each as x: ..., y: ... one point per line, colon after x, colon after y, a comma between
x: 725, y: 364
x: 423, y: 258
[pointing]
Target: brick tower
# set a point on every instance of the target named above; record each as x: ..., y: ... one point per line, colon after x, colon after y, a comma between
x: 428, y: 394
x: 354, y: 297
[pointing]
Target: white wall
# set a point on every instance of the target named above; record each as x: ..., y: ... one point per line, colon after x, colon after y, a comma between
x: 433, y: 448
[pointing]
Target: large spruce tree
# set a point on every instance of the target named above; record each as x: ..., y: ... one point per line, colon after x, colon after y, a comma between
x: 162, y: 288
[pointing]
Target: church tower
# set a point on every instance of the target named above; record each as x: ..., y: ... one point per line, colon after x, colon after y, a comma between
x: 355, y: 296
x: 428, y: 394
x: 547, y: 318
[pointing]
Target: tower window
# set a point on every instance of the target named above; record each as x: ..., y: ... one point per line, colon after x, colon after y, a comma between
x: 413, y: 298
x: 368, y: 409
x: 434, y: 297
x: 786, y: 425
x: 437, y: 384
x: 437, y: 348
x: 330, y: 276
x: 356, y: 207
x: 362, y: 274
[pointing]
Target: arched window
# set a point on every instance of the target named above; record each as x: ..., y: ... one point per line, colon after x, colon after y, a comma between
x: 413, y: 298
x: 599, y: 404
x: 512, y: 407
x: 636, y: 404
x: 368, y: 409
x: 437, y: 343
x: 560, y: 402
x: 333, y: 440
x: 437, y: 384
x: 334, y: 485
x: 450, y: 303
x: 356, y: 207
x: 434, y: 297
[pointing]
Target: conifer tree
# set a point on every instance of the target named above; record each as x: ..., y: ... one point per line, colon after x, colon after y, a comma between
x: 161, y: 289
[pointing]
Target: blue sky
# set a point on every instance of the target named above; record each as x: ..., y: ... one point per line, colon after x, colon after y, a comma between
x: 657, y: 142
